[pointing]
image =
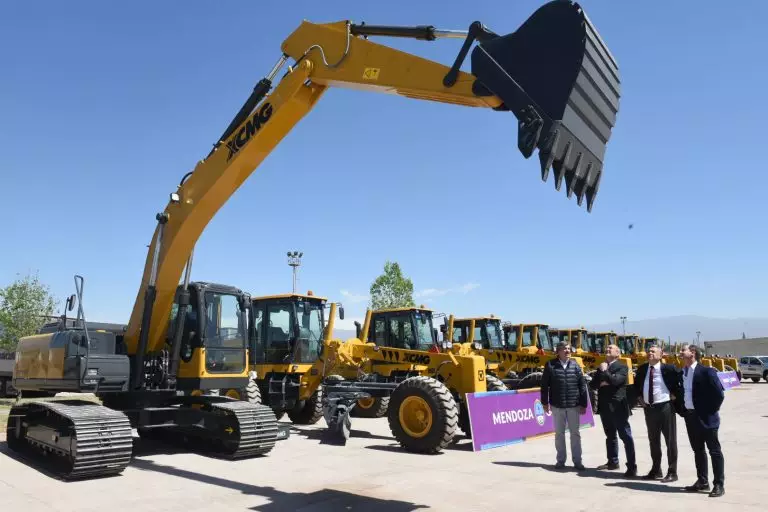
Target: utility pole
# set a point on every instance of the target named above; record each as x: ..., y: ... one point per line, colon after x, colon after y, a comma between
x: 623, y: 322
x: 294, y: 260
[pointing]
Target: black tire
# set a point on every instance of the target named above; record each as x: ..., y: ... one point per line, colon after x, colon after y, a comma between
x: 532, y: 380
x: 755, y: 379
x: 377, y: 409
x: 308, y: 412
x: 492, y: 383
x: 252, y: 392
x: 765, y: 376
x: 443, y: 411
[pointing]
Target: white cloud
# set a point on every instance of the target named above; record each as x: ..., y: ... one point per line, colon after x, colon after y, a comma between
x: 440, y: 292
x: 353, y: 298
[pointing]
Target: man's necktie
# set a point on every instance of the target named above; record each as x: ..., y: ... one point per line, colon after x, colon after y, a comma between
x: 650, y: 387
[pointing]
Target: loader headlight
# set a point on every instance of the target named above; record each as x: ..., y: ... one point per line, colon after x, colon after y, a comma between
x: 447, y: 345
x: 477, y: 346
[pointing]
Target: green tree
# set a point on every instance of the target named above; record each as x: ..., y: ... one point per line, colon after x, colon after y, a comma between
x: 391, y: 289
x: 24, y: 305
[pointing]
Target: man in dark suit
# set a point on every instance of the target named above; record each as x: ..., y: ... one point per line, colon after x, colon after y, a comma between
x: 703, y: 395
x: 659, y: 387
x: 610, y: 381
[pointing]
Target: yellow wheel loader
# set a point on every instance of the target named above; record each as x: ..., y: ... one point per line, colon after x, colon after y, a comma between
x: 515, y: 354
x: 395, y: 346
x: 288, y: 334
x: 554, y: 78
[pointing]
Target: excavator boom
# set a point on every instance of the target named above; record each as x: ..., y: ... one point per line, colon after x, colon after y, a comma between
x: 554, y: 74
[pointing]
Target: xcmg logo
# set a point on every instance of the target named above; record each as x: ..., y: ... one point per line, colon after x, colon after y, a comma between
x: 416, y: 358
x: 587, y: 359
x: 252, y: 126
x: 528, y: 359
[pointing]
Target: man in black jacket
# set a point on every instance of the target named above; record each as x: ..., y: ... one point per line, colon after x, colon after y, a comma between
x: 659, y: 388
x: 610, y: 381
x: 703, y: 394
x: 564, y: 392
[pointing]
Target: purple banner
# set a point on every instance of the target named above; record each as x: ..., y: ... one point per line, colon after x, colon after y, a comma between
x: 729, y: 379
x: 501, y: 418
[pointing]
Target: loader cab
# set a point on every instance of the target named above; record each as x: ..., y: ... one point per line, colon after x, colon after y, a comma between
x: 483, y: 331
x: 214, y: 336
x: 597, y: 342
x: 405, y: 328
x: 286, y: 329
x: 529, y: 338
x: 649, y: 342
x: 627, y: 344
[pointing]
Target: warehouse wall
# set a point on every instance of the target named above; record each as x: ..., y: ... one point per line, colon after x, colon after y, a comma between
x: 738, y: 347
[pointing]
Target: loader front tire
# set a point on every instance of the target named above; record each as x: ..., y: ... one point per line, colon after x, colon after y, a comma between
x: 374, y: 407
x: 308, y: 412
x: 423, y: 415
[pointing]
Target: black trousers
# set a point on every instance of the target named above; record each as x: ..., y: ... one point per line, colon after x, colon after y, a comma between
x: 660, y: 419
x: 699, y: 436
x: 615, y: 419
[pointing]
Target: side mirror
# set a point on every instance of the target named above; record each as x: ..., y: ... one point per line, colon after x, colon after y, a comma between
x: 71, y: 302
x: 341, y: 312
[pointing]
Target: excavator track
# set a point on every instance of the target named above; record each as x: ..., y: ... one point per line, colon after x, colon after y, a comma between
x: 71, y: 439
x: 254, y: 429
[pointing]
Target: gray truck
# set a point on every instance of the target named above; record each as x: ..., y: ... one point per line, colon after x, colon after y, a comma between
x: 6, y: 374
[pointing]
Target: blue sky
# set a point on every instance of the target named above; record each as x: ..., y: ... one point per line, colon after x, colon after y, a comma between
x: 105, y: 107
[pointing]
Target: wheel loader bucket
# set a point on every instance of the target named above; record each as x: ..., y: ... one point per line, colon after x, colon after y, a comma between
x: 560, y: 80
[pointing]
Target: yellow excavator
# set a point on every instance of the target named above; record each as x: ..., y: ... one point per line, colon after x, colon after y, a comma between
x: 554, y: 74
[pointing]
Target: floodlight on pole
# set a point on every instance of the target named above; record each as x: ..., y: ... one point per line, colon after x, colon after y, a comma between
x: 294, y: 260
x: 623, y: 325
x: 698, y: 334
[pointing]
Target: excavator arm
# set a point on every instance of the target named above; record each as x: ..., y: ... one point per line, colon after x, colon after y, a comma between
x: 554, y: 74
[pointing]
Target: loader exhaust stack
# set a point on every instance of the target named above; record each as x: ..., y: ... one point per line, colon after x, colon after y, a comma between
x: 562, y: 83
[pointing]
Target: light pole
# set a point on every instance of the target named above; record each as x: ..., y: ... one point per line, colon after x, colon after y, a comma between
x: 623, y: 327
x: 698, y: 333
x: 294, y: 260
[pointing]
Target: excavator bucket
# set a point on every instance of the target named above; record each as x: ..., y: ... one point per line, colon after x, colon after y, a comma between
x: 560, y: 80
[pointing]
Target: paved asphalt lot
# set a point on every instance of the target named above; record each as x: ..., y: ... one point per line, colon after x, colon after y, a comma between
x: 370, y: 474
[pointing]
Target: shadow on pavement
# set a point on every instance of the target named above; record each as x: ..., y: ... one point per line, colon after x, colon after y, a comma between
x: 548, y: 467
x: 325, y: 499
x: 647, y: 486
x: 44, y: 467
x: 325, y: 437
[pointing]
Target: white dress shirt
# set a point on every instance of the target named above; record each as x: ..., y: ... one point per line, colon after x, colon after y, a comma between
x: 658, y: 387
x: 688, y: 385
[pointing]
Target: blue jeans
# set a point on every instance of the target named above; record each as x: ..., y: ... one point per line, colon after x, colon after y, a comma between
x: 616, y: 421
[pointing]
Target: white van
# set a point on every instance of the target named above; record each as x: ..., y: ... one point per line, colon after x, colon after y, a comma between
x: 754, y: 367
